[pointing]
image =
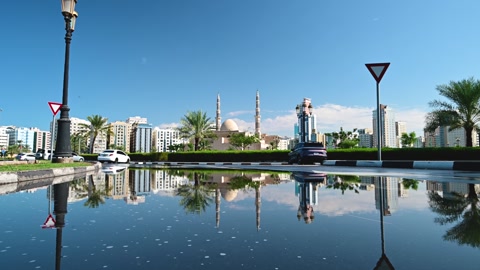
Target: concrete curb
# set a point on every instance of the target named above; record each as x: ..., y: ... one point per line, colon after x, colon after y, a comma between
x: 23, y: 176
x: 405, y: 164
x: 409, y: 164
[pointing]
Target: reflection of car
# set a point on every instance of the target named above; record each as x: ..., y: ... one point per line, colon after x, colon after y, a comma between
x: 307, y: 152
x: 113, y: 156
x: 77, y: 157
x: 113, y: 168
x: 25, y: 156
x: 310, y: 177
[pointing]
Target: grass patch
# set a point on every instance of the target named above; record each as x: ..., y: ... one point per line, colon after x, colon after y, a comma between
x: 43, y: 165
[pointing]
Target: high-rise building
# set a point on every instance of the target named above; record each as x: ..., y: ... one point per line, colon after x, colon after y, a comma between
x: 387, y: 127
x: 257, y: 116
x: 141, y: 138
x: 41, y: 140
x: 21, y: 136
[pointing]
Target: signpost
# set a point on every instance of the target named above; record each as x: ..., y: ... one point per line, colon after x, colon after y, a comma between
x: 378, y: 70
x: 55, y: 107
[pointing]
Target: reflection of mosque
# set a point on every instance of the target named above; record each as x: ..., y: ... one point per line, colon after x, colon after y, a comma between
x: 223, y: 190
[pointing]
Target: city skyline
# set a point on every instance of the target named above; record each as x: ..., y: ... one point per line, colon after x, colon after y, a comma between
x: 160, y: 67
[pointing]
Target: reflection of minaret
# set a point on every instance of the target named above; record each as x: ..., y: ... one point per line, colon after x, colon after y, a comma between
x: 60, y: 198
x: 218, y: 118
x: 217, y: 206
x: 258, y: 203
x: 257, y: 115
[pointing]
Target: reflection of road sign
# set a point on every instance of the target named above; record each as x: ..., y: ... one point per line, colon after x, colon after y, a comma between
x: 377, y: 70
x: 55, y: 107
x: 49, y: 223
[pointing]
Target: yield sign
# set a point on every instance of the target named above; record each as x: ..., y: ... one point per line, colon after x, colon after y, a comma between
x: 55, y: 107
x: 377, y: 70
x: 49, y: 223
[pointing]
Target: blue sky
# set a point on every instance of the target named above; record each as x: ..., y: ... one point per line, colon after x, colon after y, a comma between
x: 161, y: 59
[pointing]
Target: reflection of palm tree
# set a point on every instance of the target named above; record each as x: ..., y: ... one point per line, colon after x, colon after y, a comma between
x: 95, y: 196
x: 455, y: 208
x: 410, y: 183
x: 196, y: 198
x: 346, y: 182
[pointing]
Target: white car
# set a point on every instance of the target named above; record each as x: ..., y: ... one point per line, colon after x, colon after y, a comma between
x: 77, y: 158
x: 26, y: 156
x: 111, y: 155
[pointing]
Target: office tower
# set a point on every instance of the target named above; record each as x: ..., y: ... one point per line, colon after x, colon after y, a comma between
x: 387, y: 127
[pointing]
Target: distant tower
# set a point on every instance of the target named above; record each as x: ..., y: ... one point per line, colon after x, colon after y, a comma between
x: 218, y: 118
x: 257, y: 115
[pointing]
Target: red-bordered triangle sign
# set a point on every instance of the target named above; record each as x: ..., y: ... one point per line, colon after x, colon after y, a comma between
x: 55, y: 107
x: 49, y: 223
x: 377, y: 70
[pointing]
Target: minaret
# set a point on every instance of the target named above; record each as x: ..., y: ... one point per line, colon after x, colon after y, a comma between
x: 218, y: 118
x: 257, y: 115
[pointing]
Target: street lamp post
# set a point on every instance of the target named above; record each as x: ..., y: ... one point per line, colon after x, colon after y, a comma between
x: 302, y: 115
x: 63, y: 148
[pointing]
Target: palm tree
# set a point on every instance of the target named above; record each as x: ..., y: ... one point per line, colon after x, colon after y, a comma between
x: 98, y: 127
x: 408, y: 139
x: 197, y: 126
x: 462, y: 110
x: 457, y: 207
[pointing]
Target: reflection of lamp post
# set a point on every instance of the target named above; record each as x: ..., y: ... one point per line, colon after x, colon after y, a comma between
x: 60, y: 199
x: 63, y: 149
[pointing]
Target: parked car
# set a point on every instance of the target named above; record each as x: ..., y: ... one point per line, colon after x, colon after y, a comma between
x: 43, y: 154
x: 76, y: 157
x: 25, y: 156
x: 111, y: 155
x: 307, y: 152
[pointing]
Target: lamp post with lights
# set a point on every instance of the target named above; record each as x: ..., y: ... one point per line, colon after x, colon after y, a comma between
x: 302, y: 115
x: 63, y: 148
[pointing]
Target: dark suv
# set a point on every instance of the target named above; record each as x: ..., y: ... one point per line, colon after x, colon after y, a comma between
x: 307, y: 152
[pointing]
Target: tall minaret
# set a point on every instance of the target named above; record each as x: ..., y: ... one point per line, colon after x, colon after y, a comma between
x: 218, y: 118
x: 257, y: 115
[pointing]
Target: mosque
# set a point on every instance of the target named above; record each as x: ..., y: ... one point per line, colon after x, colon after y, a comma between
x: 226, y: 129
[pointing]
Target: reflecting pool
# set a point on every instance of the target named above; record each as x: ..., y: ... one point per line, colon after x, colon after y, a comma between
x: 125, y: 218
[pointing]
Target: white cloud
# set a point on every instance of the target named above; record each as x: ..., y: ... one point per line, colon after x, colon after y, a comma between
x: 330, y: 117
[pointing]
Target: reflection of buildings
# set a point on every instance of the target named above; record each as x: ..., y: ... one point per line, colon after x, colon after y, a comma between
x: 390, y: 193
x: 163, y: 181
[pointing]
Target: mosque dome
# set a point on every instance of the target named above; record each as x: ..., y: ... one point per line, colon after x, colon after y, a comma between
x: 229, y: 125
x: 228, y: 194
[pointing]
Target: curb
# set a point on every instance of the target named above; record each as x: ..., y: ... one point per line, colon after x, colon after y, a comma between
x: 23, y: 176
x: 409, y: 164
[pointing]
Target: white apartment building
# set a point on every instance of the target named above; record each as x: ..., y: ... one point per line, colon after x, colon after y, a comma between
x: 4, y: 141
x: 164, y: 137
x: 365, y: 137
x: 121, y: 135
x: 387, y: 127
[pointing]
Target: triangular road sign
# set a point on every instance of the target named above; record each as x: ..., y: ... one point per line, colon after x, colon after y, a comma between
x: 377, y: 70
x: 55, y: 107
x: 49, y: 223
